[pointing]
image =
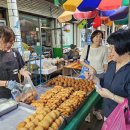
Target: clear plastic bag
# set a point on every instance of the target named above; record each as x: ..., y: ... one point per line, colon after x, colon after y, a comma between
x: 28, y: 85
x: 26, y: 93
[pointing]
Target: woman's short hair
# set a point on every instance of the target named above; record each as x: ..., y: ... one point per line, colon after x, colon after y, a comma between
x: 6, y: 33
x: 121, y: 41
x: 95, y: 33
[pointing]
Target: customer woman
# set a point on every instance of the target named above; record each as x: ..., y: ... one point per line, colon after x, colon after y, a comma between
x: 11, y: 62
x: 97, y: 56
x: 116, y: 82
x: 98, y: 59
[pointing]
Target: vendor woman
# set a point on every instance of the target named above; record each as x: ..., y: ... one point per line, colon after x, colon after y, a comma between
x: 11, y: 62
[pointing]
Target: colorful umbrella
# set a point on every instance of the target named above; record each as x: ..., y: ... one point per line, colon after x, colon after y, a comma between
x: 89, y: 22
x: 97, y: 22
x: 88, y: 5
x: 106, y: 13
x: 120, y: 13
x: 65, y: 16
x: 71, y: 5
x: 82, y: 24
x: 125, y: 2
x: 62, y: 1
x: 122, y: 21
x: 107, y: 22
x: 109, y: 4
x: 68, y: 15
x: 85, y: 15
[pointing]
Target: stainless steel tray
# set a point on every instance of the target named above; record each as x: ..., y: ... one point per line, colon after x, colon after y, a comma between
x: 10, y: 120
x: 7, y: 105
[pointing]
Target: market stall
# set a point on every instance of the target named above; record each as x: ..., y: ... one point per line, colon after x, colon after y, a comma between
x: 71, y: 123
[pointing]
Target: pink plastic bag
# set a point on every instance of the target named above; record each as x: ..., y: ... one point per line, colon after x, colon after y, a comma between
x: 118, y: 119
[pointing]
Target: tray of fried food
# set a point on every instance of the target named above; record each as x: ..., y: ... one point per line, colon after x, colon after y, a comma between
x: 43, y: 119
x: 55, y: 100
x: 76, y: 83
x: 59, y: 98
x: 71, y: 105
x: 46, y: 96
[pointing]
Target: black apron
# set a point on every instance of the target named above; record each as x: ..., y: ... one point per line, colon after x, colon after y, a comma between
x: 8, y: 71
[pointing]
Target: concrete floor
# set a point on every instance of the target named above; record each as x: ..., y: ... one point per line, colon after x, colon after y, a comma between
x: 93, y: 125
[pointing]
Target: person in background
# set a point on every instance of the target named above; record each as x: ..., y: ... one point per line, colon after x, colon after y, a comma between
x: 11, y: 63
x: 98, y: 54
x: 115, y: 85
x: 32, y: 39
x: 98, y: 58
x: 73, y: 53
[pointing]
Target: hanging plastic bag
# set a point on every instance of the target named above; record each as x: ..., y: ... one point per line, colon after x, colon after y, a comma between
x: 119, y: 119
x: 28, y: 85
x: 29, y: 92
x: 25, y: 92
x: 16, y: 93
x: 16, y: 90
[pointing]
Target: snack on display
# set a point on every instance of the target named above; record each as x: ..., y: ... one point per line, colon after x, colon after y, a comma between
x: 53, y: 98
x: 42, y: 121
x: 65, y: 100
x: 27, y: 97
x: 71, y: 104
x: 77, y: 84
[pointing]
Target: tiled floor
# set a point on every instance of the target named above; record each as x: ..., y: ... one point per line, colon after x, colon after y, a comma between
x: 94, y: 125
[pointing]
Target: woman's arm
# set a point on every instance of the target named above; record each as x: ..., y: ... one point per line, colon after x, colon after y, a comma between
x: 105, y: 67
x: 117, y: 98
x: 24, y: 72
x: 107, y: 94
x: 105, y: 60
x: 89, y: 67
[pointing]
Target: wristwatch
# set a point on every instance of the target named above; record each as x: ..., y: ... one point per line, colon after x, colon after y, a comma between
x: 113, y: 97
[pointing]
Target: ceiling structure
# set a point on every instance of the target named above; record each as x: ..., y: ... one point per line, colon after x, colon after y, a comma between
x: 52, y: 1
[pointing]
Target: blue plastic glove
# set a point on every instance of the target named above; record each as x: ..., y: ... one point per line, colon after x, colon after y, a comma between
x: 11, y: 84
x: 15, y: 93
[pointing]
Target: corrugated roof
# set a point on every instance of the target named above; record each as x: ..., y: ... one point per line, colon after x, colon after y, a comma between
x: 38, y: 7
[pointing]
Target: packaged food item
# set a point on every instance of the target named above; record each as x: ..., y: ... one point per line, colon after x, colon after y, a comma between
x: 27, y: 93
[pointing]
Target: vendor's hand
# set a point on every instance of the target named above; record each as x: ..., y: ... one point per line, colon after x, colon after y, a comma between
x: 25, y: 73
x: 11, y: 84
x: 14, y: 85
x: 105, y: 93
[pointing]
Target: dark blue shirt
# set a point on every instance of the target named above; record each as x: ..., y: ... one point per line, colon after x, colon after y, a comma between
x: 118, y: 83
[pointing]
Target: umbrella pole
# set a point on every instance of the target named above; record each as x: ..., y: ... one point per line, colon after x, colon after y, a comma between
x: 129, y: 16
